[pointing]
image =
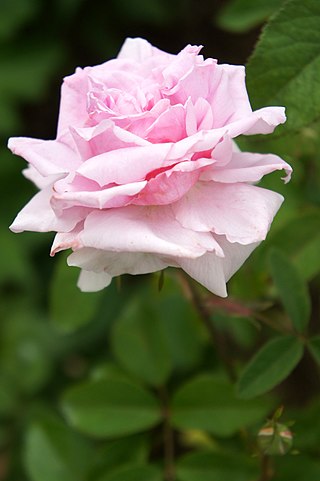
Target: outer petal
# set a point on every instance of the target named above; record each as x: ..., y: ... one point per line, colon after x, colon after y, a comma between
x: 93, y: 281
x: 241, y: 212
x: 246, y: 167
x: 47, y: 156
x: 212, y: 271
x: 39, y: 216
x: 265, y: 120
x: 144, y: 229
x: 116, y: 196
x: 67, y: 240
x: 39, y: 180
x: 115, y: 263
x: 230, y: 100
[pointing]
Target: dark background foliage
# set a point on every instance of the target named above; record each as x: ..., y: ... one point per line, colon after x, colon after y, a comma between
x: 126, y: 384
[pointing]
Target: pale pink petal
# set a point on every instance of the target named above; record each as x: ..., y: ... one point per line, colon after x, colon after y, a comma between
x: 139, y: 50
x: 104, y: 137
x: 229, y: 99
x: 265, y: 121
x: 170, y: 126
x: 47, y: 156
x: 180, y: 67
x: 204, y: 114
x: 39, y: 180
x: 125, y: 165
x: 144, y: 229
x: 207, y: 270
x: 116, y: 196
x: 93, y: 281
x: 67, y: 240
x: 39, y: 216
x: 246, y: 167
x: 212, y: 271
x: 262, y: 121
x: 172, y: 184
x: 235, y: 255
x: 73, y: 103
x: 198, y: 81
x: 241, y: 212
x: 115, y: 263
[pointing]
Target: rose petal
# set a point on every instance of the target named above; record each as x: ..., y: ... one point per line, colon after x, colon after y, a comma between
x: 139, y: 49
x: 172, y: 184
x: 47, y: 156
x: 246, y: 167
x: 116, y: 264
x: 170, y: 126
x: 229, y: 100
x: 144, y: 229
x: 125, y: 165
x: 104, y: 137
x: 39, y: 180
x: 93, y: 281
x: 73, y: 103
x: 116, y: 196
x: 212, y: 271
x: 39, y: 216
x: 241, y: 212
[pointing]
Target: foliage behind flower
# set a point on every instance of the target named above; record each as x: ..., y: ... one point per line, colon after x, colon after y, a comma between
x: 144, y: 172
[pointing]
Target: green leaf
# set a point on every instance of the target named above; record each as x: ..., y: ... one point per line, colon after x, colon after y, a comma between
x: 150, y: 344
x: 313, y: 346
x: 298, y: 244
x: 109, y: 370
x: 307, y: 261
x: 139, y: 343
x: 134, y: 473
x: 285, y: 66
x: 291, y: 238
x: 242, y: 15
x: 209, y: 403
x: 271, y: 365
x: 182, y: 329
x: 296, y: 468
x: 114, y: 455
x: 211, y: 466
x: 291, y: 288
x: 307, y: 425
x: 110, y: 408
x: 25, y: 349
x: 54, y: 452
x: 69, y: 307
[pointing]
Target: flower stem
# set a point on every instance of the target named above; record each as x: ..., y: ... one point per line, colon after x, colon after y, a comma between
x: 266, y: 468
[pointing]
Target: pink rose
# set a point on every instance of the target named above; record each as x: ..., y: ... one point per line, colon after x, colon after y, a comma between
x: 144, y: 172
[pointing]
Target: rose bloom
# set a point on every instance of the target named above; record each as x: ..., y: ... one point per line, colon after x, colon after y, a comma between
x: 144, y: 172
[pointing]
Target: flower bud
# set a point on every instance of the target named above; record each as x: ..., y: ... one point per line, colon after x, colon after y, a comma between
x: 275, y: 438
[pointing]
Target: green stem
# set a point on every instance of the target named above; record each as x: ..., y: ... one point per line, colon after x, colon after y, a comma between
x: 266, y: 469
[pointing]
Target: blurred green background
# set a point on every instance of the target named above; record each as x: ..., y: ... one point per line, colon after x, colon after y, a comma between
x: 53, y: 337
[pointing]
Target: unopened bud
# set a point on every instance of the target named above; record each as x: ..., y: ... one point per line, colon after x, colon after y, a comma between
x: 275, y: 438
